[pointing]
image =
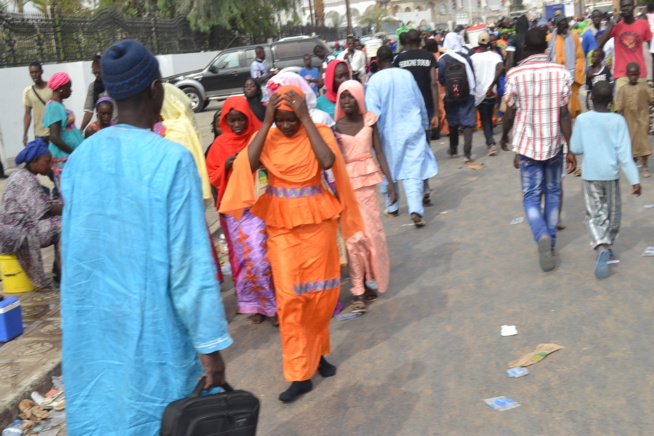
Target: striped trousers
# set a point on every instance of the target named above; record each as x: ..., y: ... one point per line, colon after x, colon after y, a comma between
x: 603, y: 211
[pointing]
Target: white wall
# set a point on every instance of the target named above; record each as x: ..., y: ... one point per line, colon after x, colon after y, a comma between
x: 15, y: 80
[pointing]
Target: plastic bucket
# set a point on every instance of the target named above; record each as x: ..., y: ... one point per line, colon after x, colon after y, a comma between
x: 14, y: 279
x: 473, y: 33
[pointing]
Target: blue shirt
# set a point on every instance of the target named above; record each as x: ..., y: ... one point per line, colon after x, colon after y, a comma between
x: 313, y: 73
x: 603, y: 139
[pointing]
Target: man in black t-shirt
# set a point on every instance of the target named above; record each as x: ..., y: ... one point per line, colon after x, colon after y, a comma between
x: 423, y: 66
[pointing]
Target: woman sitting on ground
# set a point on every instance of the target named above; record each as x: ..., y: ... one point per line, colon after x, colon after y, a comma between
x: 29, y: 220
x: 104, y: 111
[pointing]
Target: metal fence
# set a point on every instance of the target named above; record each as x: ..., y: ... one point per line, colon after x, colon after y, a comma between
x: 26, y: 38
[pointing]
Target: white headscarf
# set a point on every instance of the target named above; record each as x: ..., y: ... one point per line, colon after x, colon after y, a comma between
x: 317, y: 116
x: 454, y: 48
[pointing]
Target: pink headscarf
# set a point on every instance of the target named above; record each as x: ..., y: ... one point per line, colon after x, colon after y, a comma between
x: 355, y: 88
x: 57, y: 80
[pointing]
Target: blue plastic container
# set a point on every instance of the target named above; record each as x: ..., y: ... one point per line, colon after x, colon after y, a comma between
x: 11, y: 319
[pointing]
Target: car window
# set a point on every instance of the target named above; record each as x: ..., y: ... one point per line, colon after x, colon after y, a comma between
x: 227, y: 60
x: 250, y: 55
x: 287, y: 50
x: 307, y: 47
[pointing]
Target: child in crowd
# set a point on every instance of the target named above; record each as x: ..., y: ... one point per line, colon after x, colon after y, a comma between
x: 603, y: 138
x: 104, y: 111
x: 597, y: 72
x: 311, y: 74
x: 633, y: 102
x: 357, y: 131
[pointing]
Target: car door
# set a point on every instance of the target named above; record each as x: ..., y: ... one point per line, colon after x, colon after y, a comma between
x: 225, y: 74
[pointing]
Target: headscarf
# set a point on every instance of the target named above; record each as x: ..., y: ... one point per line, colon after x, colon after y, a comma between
x: 57, y: 80
x: 104, y: 100
x: 257, y: 107
x: 32, y: 150
x: 454, y: 48
x: 329, y: 78
x: 128, y: 68
x: 287, y: 78
x: 356, y: 89
x: 179, y: 124
x: 229, y: 143
x: 291, y: 159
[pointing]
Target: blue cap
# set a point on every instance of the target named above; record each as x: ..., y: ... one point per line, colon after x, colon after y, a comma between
x: 128, y: 68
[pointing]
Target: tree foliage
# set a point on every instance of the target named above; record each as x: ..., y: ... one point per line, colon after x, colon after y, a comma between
x: 64, y: 6
x: 376, y: 18
x: 250, y: 16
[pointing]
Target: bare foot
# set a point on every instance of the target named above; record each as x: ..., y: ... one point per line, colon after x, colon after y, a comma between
x: 560, y: 226
x: 257, y: 318
x: 274, y: 320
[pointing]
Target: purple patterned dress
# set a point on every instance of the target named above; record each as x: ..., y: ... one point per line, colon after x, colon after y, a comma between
x: 26, y: 225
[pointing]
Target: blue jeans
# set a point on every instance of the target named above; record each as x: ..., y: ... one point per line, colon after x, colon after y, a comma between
x: 413, y: 189
x: 542, y: 178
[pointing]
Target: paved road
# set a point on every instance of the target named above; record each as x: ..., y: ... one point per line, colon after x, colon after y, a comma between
x: 427, y: 354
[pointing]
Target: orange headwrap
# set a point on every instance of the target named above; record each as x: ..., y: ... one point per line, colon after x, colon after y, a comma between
x: 283, y: 90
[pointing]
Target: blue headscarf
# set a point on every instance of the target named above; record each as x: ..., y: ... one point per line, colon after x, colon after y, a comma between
x: 32, y: 150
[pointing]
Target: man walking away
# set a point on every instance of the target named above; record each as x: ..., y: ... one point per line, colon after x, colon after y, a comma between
x: 488, y: 68
x: 537, y: 95
x: 140, y: 304
x: 356, y: 58
x: 394, y: 97
x: 423, y: 66
x: 456, y: 75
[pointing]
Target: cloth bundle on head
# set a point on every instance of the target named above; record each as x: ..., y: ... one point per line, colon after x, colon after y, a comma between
x: 32, y: 150
x: 329, y: 78
x: 58, y: 80
x: 282, y: 79
x: 355, y: 88
x: 128, y: 68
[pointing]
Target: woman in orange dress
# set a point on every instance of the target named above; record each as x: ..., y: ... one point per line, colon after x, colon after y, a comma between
x: 301, y: 220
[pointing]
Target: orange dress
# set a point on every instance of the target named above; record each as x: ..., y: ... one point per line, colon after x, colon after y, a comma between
x: 301, y: 220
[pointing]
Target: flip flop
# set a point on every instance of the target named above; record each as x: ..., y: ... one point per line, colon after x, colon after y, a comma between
x: 370, y: 295
x: 358, y: 305
x: 602, y: 266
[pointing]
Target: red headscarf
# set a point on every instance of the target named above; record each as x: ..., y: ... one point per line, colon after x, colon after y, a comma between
x: 229, y: 143
x: 329, y: 78
x: 57, y: 80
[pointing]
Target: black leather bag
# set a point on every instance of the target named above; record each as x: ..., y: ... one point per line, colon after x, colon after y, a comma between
x: 228, y: 413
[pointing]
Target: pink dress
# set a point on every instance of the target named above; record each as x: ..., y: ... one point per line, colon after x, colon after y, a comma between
x: 368, y: 261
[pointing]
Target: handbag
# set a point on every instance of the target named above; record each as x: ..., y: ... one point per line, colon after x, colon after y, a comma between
x: 228, y: 413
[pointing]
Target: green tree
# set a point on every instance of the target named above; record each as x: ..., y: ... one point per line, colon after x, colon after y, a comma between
x: 250, y: 16
x: 376, y: 18
x: 64, y: 6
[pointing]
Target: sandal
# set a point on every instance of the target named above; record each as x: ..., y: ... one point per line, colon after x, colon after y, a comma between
x: 492, y: 150
x: 274, y: 320
x: 256, y: 318
x: 370, y: 295
x: 467, y: 160
x: 453, y: 155
x: 417, y: 220
x: 358, y: 305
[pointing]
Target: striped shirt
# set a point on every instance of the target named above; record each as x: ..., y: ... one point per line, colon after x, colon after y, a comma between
x: 537, y: 89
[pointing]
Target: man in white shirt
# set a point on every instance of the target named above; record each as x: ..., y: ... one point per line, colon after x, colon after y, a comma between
x: 488, y: 68
x: 356, y: 58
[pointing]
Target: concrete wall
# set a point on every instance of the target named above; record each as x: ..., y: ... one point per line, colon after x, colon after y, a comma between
x: 15, y: 80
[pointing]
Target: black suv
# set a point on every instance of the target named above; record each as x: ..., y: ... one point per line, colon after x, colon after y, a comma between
x: 227, y: 72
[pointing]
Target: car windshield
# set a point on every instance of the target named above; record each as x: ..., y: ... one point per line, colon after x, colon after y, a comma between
x: 227, y: 60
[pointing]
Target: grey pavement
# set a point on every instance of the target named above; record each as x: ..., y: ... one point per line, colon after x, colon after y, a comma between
x: 429, y: 351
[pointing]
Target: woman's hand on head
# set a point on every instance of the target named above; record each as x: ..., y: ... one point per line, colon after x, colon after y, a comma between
x: 273, y: 104
x: 298, y: 104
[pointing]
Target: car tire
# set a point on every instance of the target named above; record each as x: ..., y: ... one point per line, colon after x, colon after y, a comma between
x: 196, y: 99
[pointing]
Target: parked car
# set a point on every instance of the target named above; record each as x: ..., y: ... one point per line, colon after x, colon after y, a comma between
x: 225, y: 75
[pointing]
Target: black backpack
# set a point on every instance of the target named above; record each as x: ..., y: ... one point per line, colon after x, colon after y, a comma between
x: 457, y: 89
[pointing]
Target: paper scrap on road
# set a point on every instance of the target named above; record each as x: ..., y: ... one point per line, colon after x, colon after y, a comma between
x: 517, y: 372
x: 518, y: 220
x: 475, y: 166
x: 501, y: 403
x: 610, y: 262
x: 649, y: 251
x: 535, y: 356
x: 508, y: 330
x: 649, y: 206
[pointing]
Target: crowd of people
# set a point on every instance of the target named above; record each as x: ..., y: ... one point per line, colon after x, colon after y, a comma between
x: 295, y: 170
